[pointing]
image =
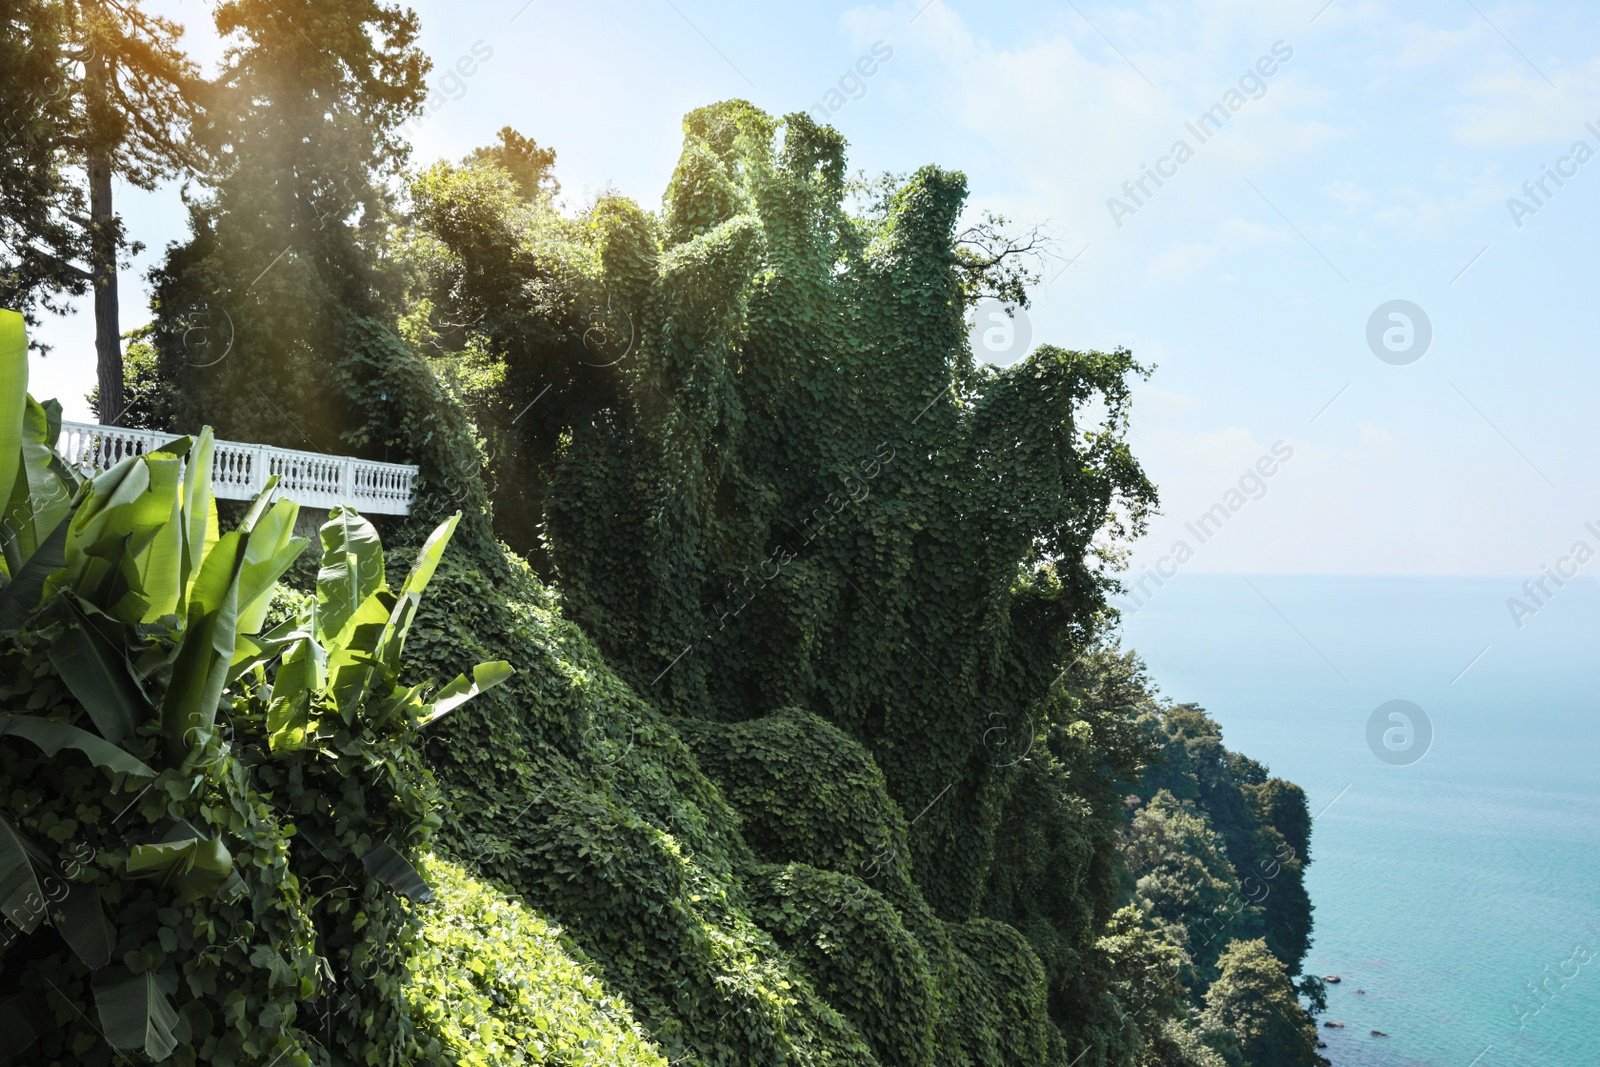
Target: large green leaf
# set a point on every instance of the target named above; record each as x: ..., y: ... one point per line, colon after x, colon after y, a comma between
x: 160, y: 565
x: 352, y: 570
x: 13, y: 395
x: 17, y: 1016
x: 21, y: 595
x: 352, y: 662
x: 385, y: 865
x: 200, y: 530
x: 111, y: 531
x: 302, y: 673
x: 42, y: 493
x: 428, y: 558
x: 259, y: 650
x: 273, y: 547
x: 82, y: 922
x: 23, y: 900
x: 200, y: 669
x: 183, y: 859
x: 97, y: 673
x: 393, y: 641
x: 485, y: 676
x: 134, y: 1013
x: 51, y: 737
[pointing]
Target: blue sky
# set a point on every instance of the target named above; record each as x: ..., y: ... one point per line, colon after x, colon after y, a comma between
x: 1374, y: 163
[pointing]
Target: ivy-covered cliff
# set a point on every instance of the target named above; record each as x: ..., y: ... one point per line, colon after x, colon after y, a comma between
x: 816, y: 746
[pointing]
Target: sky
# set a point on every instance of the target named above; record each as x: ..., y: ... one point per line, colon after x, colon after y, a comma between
x: 1358, y: 273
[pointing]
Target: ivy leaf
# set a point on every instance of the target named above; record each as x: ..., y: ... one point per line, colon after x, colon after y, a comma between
x: 134, y: 1013
x: 386, y: 865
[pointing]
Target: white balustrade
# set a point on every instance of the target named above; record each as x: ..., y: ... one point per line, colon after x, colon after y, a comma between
x: 240, y: 471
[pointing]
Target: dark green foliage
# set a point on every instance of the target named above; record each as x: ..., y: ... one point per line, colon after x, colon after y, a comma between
x: 805, y: 791
x: 824, y: 504
x: 276, y: 321
x: 795, y: 445
x: 40, y: 245
x: 1253, y: 1010
x: 1264, y: 822
x: 578, y: 795
x: 864, y: 961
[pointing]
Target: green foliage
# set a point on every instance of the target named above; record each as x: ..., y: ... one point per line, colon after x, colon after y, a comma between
x: 828, y: 506
x: 573, y: 792
x: 523, y: 159
x: 302, y: 142
x: 864, y: 961
x: 39, y: 243
x: 1254, y: 1009
x: 794, y: 444
x: 1264, y: 822
x: 497, y: 984
x: 232, y: 862
x: 1184, y: 875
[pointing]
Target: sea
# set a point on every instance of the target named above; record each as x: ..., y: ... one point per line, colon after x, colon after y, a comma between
x: 1449, y: 745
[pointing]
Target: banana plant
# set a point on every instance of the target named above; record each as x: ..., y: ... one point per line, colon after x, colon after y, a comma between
x: 342, y: 656
x: 149, y: 613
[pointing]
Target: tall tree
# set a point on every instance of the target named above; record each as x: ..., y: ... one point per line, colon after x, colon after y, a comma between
x: 287, y: 270
x: 302, y: 132
x: 134, y: 100
x: 41, y: 242
x: 529, y: 165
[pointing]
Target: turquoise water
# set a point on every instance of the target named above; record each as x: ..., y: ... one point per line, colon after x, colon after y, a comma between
x: 1448, y: 887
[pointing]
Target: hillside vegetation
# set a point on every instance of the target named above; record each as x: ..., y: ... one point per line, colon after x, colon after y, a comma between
x: 752, y: 695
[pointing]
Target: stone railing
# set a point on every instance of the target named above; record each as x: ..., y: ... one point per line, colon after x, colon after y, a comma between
x: 240, y: 471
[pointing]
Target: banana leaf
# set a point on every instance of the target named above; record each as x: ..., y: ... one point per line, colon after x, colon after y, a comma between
x: 184, y: 859
x: 97, y: 673
x: 485, y: 676
x: 302, y: 674
x: 134, y: 1013
x: 23, y: 900
x: 385, y: 865
x: 13, y: 395
x: 44, y: 487
x: 82, y: 922
x: 200, y: 669
x: 21, y: 595
x: 51, y: 737
x: 273, y: 547
x: 352, y: 570
x: 200, y: 530
x: 17, y: 1016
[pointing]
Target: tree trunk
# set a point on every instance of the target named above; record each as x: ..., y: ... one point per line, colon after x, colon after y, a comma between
x: 103, y: 258
x: 107, y: 332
